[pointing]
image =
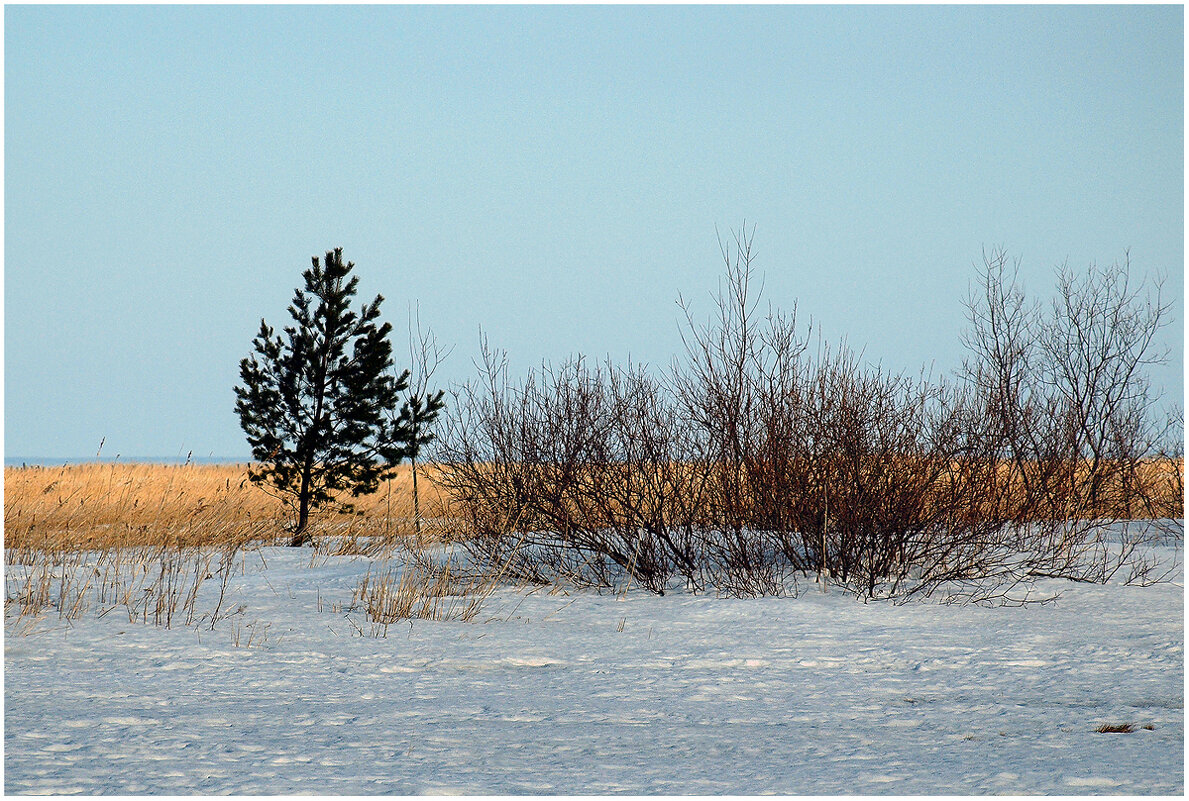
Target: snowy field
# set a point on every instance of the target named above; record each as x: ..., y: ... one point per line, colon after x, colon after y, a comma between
x: 587, y: 693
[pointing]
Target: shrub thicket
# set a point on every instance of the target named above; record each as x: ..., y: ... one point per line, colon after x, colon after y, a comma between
x: 758, y: 459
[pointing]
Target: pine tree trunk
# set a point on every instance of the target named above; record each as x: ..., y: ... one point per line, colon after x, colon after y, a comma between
x: 300, y: 537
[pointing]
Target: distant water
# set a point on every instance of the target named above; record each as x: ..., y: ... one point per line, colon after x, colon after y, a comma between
x: 58, y: 461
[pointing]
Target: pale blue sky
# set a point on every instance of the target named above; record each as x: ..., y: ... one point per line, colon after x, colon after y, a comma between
x: 552, y: 175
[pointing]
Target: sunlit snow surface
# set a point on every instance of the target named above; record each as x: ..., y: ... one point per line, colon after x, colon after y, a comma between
x: 545, y: 694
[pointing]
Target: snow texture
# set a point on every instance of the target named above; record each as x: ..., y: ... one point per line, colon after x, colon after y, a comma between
x: 584, y: 693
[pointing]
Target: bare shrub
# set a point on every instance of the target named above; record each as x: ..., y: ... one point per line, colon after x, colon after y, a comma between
x: 740, y: 393
x: 1070, y: 411
x: 758, y: 460
x: 577, y: 473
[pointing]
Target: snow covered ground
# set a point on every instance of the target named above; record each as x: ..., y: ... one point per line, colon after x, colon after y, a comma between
x: 587, y: 693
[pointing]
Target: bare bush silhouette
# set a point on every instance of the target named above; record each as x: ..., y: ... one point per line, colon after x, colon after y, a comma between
x: 758, y: 460
x: 1071, y: 413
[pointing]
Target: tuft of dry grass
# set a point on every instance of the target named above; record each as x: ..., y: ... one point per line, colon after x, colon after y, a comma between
x: 419, y: 590
x: 1115, y: 728
x: 414, y: 581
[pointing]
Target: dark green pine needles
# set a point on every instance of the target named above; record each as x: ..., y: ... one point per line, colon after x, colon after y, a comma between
x: 319, y: 404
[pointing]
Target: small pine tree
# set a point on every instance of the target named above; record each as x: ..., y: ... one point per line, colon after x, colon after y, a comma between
x: 317, y: 403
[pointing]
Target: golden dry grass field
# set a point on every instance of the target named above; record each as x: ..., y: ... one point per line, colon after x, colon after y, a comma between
x: 113, y: 505
x: 101, y: 506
